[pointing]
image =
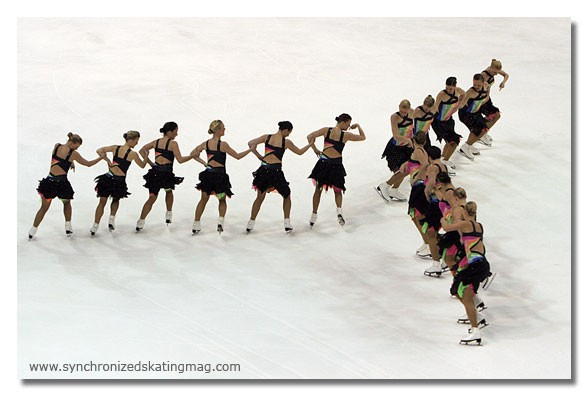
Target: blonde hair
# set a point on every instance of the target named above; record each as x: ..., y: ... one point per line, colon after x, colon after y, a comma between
x: 429, y: 101
x: 471, y: 208
x: 131, y: 135
x: 496, y: 64
x: 405, y: 102
x: 460, y: 193
x: 215, y: 126
x: 74, y: 138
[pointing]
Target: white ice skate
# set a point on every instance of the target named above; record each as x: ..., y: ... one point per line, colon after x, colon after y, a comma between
x: 475, y: 151
x: 68, y: 229
x: 196, y: 227
x: 425, y: 253
x: 94, y: 229
x: 111, y: 223
x: 394, y: 193
x: 434, y: 270
x: 479, y: 317
x: 383, y: 191
x: 32, y: 232
x: 168, y: 217
x: 486, y: 140
x: 140, y: 225
x: 472, y: 338
x: 466, y: 151
x: 219, y: 226
x: 288, y: 226
x: 448, y: 163
x: 250, y: 225
x: 424, y: 248
x: 341, y: 219
x: 313, y: 218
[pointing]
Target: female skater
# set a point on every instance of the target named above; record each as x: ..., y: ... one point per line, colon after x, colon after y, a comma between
x: 113, y: 183
x: 491, y: 112
x: 398, y: 151
x: 214, y: 179
x: 329, y: 170
x: 453, y: 212
x: 438, y: 182
x: 446, y: 104
x: 416, y: 167
x: 269, y: 176
x: 472, y: 270
x: 56, y: 183
x: 161, y: 174
x: 470, y: 114
x: 423, y: 117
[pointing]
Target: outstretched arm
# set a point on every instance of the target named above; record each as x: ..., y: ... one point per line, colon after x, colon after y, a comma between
x: 178, y: 156
x: 233, y: 153
x: 504, y: 80
x: 81, y: 160
x: 293, y: 148
x: 135, y: 157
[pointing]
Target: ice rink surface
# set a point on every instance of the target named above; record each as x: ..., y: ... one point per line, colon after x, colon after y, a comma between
x: 326, y: 303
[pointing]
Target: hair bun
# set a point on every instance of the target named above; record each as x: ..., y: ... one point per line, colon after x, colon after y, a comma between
x: 70, y: 134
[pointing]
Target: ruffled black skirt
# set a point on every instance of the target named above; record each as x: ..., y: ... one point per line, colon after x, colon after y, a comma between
x: 109, y: 185
x: 433, y: 216
x: 161, y: 176
x: 396, y: 155
x: 215, y: 181
x: 55, y: 186
x: 417, y: 201
x: 270, y: 177
x: 448, y: 240
x: 329, y: 173
x: 473, y: 275
x: 445, y: 130
x: 474, y: 121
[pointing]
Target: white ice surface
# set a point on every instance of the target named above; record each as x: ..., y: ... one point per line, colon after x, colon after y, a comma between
x: 322, y: 303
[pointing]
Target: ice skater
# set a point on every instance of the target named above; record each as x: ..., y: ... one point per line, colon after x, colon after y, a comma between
x: 423, y: 117
x: 450, y: 242
x: 56, y: 183
x: 446, y: 104
x: 491, y: 112
x: 418, y: 204
x: 398, y: 151
x: 470, y: 114
x: 214, y: 180
x: 438, y: 182
x: 161, y: 175
x: 269, y: 176
x: 329, y: 171
x: 113, y: 183
x: 472, y: 270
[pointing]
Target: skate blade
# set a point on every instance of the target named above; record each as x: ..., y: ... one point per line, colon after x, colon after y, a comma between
x: 484, y: 143
x: 289, y: 230
x: 433, y: 274
x: 110, y: 228
x: 481, y: 307
x: 476, y: 342
x: 68, y: 234
x: 488, y: 281
x: 92, y: 234
x: 381, y: 194
x: 425, y: 256
x: 219, y: 229
x: 464, y: 154
x: 137, y: 229
x: 194, y: 232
